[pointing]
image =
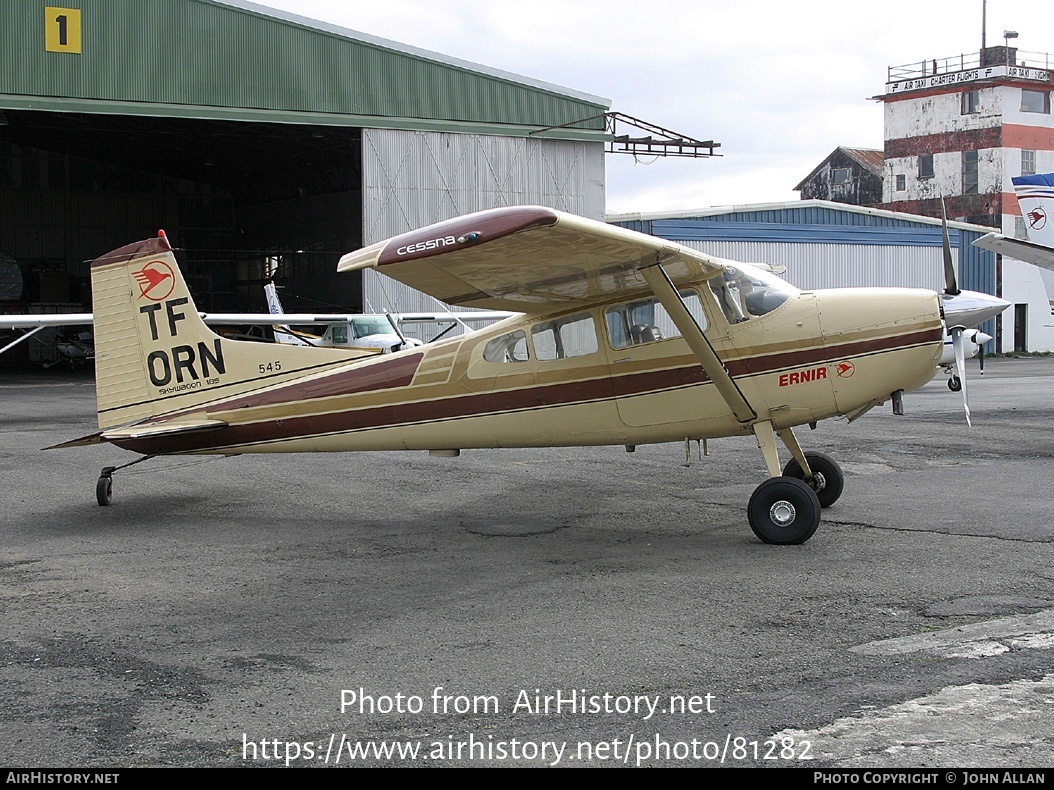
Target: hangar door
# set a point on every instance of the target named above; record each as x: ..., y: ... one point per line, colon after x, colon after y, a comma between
x: 412, y: 179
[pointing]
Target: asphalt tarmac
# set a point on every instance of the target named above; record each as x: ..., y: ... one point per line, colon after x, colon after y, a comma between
x: 571, y: 607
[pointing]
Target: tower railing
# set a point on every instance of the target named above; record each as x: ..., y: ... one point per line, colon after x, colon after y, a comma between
x: 992, y: 56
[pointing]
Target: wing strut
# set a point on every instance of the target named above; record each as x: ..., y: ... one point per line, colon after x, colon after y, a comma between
x: 20, y: 338
x: 662, y: 286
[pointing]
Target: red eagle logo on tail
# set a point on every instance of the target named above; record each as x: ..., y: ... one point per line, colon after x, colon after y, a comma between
x: 156, y: 280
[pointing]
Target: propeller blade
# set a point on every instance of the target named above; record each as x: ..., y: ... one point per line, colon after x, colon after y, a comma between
x: 960, y: 366
x: 951, y: 288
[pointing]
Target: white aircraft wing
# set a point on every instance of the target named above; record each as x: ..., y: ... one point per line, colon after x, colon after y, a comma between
x: 32, y: 321
x: 44, y: 319
x: 1019, y: 250
x: 527, y: 259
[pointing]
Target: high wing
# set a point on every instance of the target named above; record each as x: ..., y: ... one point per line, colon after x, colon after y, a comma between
x: 527, y: 259
x: 1019, y: 250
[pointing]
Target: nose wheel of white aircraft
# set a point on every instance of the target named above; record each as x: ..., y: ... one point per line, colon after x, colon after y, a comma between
x: 955, y: 383
x: 827, y: 480
x: 784, y: 510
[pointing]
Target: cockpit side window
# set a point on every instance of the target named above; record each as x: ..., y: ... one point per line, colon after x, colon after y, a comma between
x: 744, y: 294
x: 646, y: 320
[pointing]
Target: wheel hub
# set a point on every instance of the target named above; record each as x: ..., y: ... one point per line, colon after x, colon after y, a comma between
x: 818, y: 482
x: 782, y: 513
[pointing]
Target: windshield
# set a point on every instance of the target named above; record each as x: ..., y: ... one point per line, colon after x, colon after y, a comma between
x: 372, y: 326
x: 746, y: 292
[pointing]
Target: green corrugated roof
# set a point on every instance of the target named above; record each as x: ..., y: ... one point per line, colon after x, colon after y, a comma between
x: 238, y: 60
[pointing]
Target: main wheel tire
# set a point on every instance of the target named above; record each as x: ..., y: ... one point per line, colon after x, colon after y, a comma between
x: 828, y: 480
x: 104, y: 490
x: 784, y: 511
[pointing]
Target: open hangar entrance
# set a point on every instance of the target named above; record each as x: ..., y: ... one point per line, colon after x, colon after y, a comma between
x: 254, y: 136
x: 231, y: 195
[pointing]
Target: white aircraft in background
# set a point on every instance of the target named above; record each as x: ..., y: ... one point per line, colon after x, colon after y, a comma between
x: 374, y: 332
x: 367, y: 334
x: 1035, y: 194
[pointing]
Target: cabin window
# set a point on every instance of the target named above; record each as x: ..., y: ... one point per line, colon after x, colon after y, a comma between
x: 970, y: 104
x: 646, y: 321
x: 926, y: 166
x: 748, y: 293
x: 1035, y: 101
x: 508, y: 348
x: 563, y: 338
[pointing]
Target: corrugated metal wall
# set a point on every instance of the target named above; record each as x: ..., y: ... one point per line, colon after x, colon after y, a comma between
x: 813, y: 266
x: 828, y: 246
x: 413, y: 179
x: 202, y: 53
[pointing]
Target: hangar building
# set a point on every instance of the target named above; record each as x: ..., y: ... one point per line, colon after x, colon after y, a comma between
x: 833, y: 245
x: 254, y: 136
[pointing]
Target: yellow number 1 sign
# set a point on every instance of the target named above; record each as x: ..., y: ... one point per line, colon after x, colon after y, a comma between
x: 62, y: 30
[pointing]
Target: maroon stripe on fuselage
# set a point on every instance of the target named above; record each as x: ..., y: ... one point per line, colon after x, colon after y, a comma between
x: 390, y: 374
x: 523, y: 398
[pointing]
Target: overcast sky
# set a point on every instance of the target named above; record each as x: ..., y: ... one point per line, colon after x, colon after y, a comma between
x: 778, y: 84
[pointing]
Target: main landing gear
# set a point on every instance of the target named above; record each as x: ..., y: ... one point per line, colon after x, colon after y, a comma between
x: 104, y: 485
x: 785, y: 509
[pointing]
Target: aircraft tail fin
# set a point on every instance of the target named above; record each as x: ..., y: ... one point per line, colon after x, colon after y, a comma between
x: 1035, y: 194
x: 282, y: 334
x: 154, y: 355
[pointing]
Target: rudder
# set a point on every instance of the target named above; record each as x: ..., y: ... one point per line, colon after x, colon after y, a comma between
x: 155, y: 355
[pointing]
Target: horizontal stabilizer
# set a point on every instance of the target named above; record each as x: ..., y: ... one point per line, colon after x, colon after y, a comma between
x: 169, y: 428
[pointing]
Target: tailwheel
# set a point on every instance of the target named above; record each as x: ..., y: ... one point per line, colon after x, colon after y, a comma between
x: 104, y: 486
x: 784, y: 511
x: 827, y: 478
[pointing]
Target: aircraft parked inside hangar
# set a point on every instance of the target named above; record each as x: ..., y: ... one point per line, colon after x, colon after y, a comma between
x: 619, y: 339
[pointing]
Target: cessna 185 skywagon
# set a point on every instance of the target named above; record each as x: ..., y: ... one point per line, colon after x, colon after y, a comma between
x: 620, y: 339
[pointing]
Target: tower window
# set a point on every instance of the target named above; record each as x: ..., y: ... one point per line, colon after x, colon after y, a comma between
x: 926, y: 166
x: 969, y: 172
x: 1028, y: 162
x: 969, y: 104
x: 1035, y: 101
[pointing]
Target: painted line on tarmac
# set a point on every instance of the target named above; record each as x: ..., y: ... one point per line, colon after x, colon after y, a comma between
x: 978, y: 640
x: 971, y: 725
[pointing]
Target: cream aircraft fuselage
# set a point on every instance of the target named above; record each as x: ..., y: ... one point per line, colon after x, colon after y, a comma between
x: 623, y: 339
